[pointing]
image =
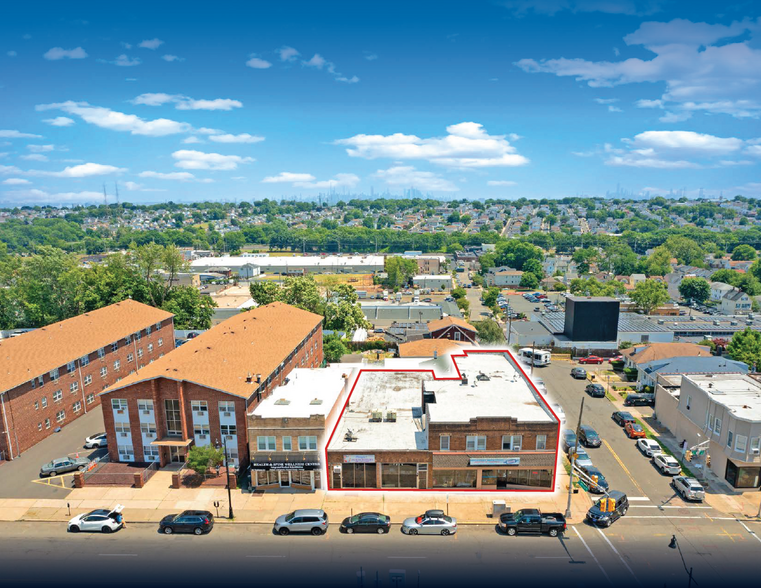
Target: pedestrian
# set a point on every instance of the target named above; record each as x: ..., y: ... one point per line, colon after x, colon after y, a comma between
x: 120, y: 520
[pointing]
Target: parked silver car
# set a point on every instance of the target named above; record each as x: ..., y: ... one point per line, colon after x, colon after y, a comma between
x: 689, y: 488
x: 63, y: 465
x: 667, y: 464
x: 307, y: 520
x: 99, y: 440
x: 430, y: 523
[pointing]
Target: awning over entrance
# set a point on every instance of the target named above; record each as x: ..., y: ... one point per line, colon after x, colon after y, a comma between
x: 288, y: 460
x: 172, y: 442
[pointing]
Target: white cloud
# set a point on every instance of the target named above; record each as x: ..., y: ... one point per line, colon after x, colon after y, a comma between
x: 12, y: 134
x: 649, y: 103
x: 672, y: 117
x: 351, y: 80
x: 182, y: 176
x: 59, y: 121
x: 187, y: 159
x: 9, y: 169
x: 616, y: 52
x: 118, y: 121
x: 85, y: 171
x: 57, y: 53
x: 186, y: 103
x: 288, y: 177
x: 151, y: 44
x: 370, y: 56
x: 192, y: 139
x: 288, y: 53
x: 501, y: 183
x: 132, y: 185
x: 126, y: 45
x: 701, y: 71
x: 317, y: 61
x: 242, y: 138
x: 258, y: 63
x: 11, y: 54
x: 409, y: 177
x: 552, y: 7
x: 612, y: 108
x: 606, y: 100
x: 41, y: 197
x: 126, y: 61
x: 320, y: 63
x: 239, y: 178
x: 16, y: 182
x: 309, y: 181
x: 467, y: 145
x: 687, y: 142
x: 171, y: 58
x: 34, y: 157
x: 40, y: 148
x: 153, y: 99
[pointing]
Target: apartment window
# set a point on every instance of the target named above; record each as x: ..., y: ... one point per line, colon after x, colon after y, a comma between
x: 199, y: 406
x: 57, y: 395
x: 444, y: 443
x: 229, y: 430
x: 516, y: 442
x: 265, y: 443
x: 77, y: 406
x: 84, y: 360
x: 475, y: 443
x: 54, y: 374
x: 161, y: 341
x: 125, y: 452
x: 138, y: 336
x: 150, y: 453
x: 36, y: 405
x: 101, y: 353
x: 158, y: 326
x: 308, y: 443
x: 172, y: 412
x: 117, y: 365
x: 148, y: 429
x: 541, y: 442
x: 60, y: 416
x: 709, y: 421
x: 71, y: 366
x: 227, y: 406
x: 201, y: 430
x: 34, y: 383
x: 729, y: 438
x: 88, y: 380
x: 122, y: 428
x: 90, y: 398
x: 144, y: 405
x: 755, y: 445
x: 74, y: 387
x: 130, y: 357
x: 150, y: 347
x: 287, y: 444
x: 119, y: 403
x: 115, y: 346
x: 148, y: 330
x: 139, y: 352
x: 39, y: 426
x: 717, y: 426
x: 103, y: 371
x: 689, y: 402
x: 127, y: 340
x: 47, y: 423
x: 40, y: 380
x: 741, y: 443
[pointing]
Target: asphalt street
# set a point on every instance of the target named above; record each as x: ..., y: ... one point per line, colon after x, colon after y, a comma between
x: 632, y: 553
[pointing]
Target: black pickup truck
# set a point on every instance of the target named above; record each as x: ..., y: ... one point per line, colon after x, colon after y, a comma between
x: 532, y: 521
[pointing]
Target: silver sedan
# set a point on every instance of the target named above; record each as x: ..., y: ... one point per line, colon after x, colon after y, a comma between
x: 428, y: 525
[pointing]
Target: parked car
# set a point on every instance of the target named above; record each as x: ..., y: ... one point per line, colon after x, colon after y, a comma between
x: 667, y: 464
x: 537, y: 308
x: 430, y: 523
x: 568, y: 439
x: 688, y: 488
x: 307, y: 520
x: 366, y: 522
x: 555, y: 407
x: 531, y: 521
x: 197, y: 522
x: 591, y: 359
x: 622, y: 417
x: 634, y: 430
x: 615, y: 358
x: 63, y: 465
x: 598, y: 487
x: 98, y: 440
x: 640, y: 399
x: 582, y: 458
x: 608, y: 509
x: 579, y: 373
x: 102, y: 520
x: 589, y: 437
x: 427, y: 299
x: 595, y: 390
x: 648, y: 446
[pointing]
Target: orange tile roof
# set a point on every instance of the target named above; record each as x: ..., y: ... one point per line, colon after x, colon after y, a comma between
x: 253, y: 342
x: 37, y: 352
x: 655, y: 351
x: 426, y: 347
x: 449, y: 321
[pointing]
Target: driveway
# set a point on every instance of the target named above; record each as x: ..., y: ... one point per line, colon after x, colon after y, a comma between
x: 20, y: 478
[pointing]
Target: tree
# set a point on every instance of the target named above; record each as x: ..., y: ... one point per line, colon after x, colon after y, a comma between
x: 302, y: 293
x: 744, y: 253
x: 529, y: 280
x: 584, y: 257
x: 490, y: 296
x: 334, y: 349
x: 535, y: 267
x: 265, y: 292
x: 400, y: 271
x: 745, y: 346
x: 686, y: 250
x: 489, y: 331
x: 201, y: 458
x: 697, y: 289
x: 515, y: 253
x: 727, y: 276
x: 343, y: 311
x: 191, y: 309
x: 659, y: 262
x: 559, y: 287
x: 593, y: 287
x: 649, y: 295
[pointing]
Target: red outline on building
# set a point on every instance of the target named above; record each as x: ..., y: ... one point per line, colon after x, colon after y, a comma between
x: 465, y: 353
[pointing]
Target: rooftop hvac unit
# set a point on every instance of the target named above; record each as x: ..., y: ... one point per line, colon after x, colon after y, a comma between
x: 733, y: 323
x: 316, y: 401
x: 660, y: 321
x: 350, y: 436
x: 376, y: 416
x: 391, y: 417
x: 716, y: 323
x: 282, y: 402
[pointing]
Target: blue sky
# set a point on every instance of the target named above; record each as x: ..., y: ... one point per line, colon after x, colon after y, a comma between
x: 548, y: 98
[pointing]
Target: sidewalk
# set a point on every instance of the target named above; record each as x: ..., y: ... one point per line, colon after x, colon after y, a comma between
x: 157, y: 499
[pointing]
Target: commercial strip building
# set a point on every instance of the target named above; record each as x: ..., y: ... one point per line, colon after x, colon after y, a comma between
x: 202, y: 392
x: 393, y: 311
x: 299, y: 265
x: 719, y: 413
x: 287, y: 431
x: 481, y: 426
x: 52, y: 375
x: 432, y: 281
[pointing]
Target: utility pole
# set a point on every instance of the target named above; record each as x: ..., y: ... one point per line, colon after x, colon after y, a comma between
x: 533, y: 344
x: 573, y: 462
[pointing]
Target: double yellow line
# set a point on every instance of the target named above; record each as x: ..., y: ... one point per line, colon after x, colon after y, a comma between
x: 621, y: 463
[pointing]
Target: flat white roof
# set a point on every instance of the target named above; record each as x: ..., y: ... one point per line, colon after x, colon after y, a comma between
x: 740, y: 394
x: 432, y: 277
x: 303, y: 261
x: 308, y: 392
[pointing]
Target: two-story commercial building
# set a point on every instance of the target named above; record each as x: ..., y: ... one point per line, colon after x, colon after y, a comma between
x: 51, y: 376
x: 201, y: 393
x: 482, y: 426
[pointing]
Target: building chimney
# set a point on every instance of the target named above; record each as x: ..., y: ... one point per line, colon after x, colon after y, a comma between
x: 464, y: 379
x: 435, y: 354
x: 258, y: 378
x: 249, y: 378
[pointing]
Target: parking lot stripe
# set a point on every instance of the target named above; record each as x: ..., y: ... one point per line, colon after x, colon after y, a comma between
x: 749, y: 531
x: 623, y: 561
x: 594, y: 557
x: 621, y: 463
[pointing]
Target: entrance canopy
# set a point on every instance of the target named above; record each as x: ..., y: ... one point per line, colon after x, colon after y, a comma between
x: 172, y: 442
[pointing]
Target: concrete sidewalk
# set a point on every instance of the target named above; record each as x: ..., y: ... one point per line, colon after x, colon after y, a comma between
x: 157, y: 499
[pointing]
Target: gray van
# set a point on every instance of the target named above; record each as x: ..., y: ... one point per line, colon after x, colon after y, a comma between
x: 307, y: 520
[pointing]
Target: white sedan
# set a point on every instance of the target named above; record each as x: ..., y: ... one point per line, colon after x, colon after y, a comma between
x: 102, y: 520
x: 648, y: 446
x: 98, y: 440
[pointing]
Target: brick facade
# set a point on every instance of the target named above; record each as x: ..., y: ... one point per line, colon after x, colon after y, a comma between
x: 494, y: 429
x: 32, y: 411
x: 455, y: 333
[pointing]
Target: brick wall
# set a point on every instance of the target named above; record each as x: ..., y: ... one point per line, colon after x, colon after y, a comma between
x: 494, y: 429
x: 27, y: 421
x: 451, y: 333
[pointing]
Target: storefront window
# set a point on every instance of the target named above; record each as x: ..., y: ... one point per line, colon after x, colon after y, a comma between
x: 358, y: 475
x: 505, y: 478
x: 267, y: 477
x: 743, y: 477
x: 454, y: 478
x: 399, y: 475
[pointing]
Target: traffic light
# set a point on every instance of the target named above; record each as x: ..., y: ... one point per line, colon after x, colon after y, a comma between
x: 688, y: 455
x: 708, y: 461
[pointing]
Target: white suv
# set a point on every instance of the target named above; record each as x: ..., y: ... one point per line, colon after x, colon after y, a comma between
x: 667, y: 464
x: 689, y: 488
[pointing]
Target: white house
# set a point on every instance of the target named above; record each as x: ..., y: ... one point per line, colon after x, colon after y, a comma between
x: 718, y: 290
x: 736, y: 302
x: 503, y: 277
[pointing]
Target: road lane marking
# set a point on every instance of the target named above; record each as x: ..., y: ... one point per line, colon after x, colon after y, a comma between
x: 621, y: 463
x: 635, y: 498
x: 623, y: 561
x: 602, y: 569
x: 749, y: 531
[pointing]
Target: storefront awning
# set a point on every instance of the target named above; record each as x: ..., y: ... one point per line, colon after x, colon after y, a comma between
x: 172, y: 442
x: 287, y: 460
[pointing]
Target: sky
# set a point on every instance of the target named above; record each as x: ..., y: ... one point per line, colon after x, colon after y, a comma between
x: 478, y: 99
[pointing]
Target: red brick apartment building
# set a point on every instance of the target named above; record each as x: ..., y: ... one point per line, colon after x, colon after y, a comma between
x: 53, y: 375
x: 200, y: 394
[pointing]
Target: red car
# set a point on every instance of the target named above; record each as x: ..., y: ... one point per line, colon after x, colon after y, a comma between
x: 616, y: 358
x: 634, y: 431
x: 591, y: 359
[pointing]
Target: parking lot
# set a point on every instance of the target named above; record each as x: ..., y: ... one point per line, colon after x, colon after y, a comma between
x: 20, y: 478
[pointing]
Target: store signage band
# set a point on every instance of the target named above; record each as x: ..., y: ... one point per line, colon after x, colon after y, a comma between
x: 287, y: 465
x: 359, y: 458
x: 495, y: 461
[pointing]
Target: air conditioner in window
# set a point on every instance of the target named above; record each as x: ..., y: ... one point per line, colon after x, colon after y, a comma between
x: 229, y: 437
x: 227, y: 414
x: 146, y: 412
x: 119, y: 412
x: 200, y: 413
x: 123, y: 434
x: 755, y: 451
x: 202, y: 436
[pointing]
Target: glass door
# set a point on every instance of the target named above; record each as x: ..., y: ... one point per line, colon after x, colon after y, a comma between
x: 285, y: 479
x: 177, y: 454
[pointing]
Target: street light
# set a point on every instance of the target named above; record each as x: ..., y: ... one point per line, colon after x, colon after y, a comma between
x: 674, y: 544
x: 227, y: 482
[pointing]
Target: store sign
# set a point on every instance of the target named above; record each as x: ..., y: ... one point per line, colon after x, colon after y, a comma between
x: 287, y: 465
x: 495, y: 461
x: 359, y: 459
